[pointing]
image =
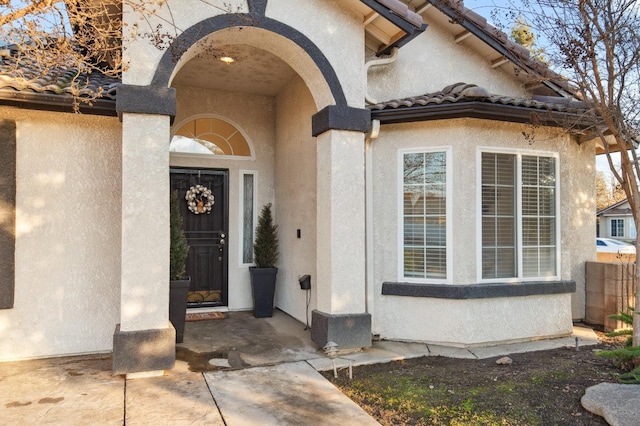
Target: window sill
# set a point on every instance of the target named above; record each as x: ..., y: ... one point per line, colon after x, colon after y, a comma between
x: 478, y: 291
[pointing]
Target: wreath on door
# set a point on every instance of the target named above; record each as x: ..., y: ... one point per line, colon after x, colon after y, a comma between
x: 199, y: 199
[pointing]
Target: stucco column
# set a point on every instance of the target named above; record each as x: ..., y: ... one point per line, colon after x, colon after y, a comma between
x: 144, y: 340
x: 341, y: 292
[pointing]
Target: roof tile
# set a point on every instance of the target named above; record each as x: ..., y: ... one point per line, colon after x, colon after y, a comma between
x: 24, y: 74
x: 464, y: 92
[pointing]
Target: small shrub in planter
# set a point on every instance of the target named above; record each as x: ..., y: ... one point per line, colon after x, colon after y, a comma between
x: 179, y: 284
x: 265, y: 257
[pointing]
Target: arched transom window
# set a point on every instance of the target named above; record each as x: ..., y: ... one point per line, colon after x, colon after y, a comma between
x: 210, y: 136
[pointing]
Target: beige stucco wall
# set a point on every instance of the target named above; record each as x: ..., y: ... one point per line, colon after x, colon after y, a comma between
x: 295, y: 172
x: 533, y: 316
x: 255, y: 116
x: 433, y: 61
x: 336, y: 31
x: 144, y: 286
x: 67, y: 276
x: 341, y: 222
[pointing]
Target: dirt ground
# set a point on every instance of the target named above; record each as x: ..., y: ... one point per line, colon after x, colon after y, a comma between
x: 538, y: 388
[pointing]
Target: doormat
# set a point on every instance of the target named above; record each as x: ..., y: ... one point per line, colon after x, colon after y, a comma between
x: 202, y: 316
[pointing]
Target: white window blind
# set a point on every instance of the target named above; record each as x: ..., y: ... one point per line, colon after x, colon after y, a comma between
x: 425, y: 215
x: 538, y: 216
x: 498, y: 215
x: 518, y: 216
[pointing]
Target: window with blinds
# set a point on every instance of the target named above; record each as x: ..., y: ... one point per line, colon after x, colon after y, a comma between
x: 498, y: 215
x: 518, y: 216
x: 424, y: 214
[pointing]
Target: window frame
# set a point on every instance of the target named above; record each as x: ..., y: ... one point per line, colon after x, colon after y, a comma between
x: 611, y: 227
x: 447, y: 150
x: 241, y: 175
x: 518, y: 153
x: 176, y: 126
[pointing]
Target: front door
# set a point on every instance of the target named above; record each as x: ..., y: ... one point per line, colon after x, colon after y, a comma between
x: 207, y: 235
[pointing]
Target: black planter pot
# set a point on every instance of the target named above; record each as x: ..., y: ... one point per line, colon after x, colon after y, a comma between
x: 263, y: 286
x: 178, y: 292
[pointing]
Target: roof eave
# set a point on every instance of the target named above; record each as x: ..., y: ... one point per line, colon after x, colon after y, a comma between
x: 481, y: 110
x: 403, y: 40
x: 388, y: 14
x: 613, y: 206
x: 58, y: 103
x: 408, y: 26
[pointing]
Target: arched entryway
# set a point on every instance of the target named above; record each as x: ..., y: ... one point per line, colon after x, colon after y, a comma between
x: 226, y: 86
x: 307, y: 161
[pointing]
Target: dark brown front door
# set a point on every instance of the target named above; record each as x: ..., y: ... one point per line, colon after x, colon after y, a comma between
x: 207, y: 235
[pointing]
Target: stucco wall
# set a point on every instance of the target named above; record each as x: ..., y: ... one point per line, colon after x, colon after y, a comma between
x: 550, y: 315
x: 255, y: 116
x: 67, y: 291
x: 295, y: 198
x: 144, y: 286
x: 336, y: 31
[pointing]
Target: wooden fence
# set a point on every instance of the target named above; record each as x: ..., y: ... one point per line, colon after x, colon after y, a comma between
x: 609, y: 290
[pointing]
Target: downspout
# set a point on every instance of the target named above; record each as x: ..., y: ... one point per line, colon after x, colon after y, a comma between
x: 368, y: 218
x: 377, y: 62
x: 368, y: 190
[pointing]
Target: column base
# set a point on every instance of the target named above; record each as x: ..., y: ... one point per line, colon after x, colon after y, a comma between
x: 143, y: 350
x: 348, y: 331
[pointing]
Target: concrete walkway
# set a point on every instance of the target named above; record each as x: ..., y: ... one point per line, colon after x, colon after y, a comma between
x: 82, y: 390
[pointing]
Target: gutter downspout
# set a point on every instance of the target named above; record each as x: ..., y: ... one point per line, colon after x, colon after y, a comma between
x: 368, y: 190
x: 368, y: 218
x: 373, y: 63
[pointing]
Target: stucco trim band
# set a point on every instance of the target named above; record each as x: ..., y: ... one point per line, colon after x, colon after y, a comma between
x: 340, y: 117
x: 348, y: 331
x: 478, y: 291
x: 146, y: 100
x: 7, y: 212
x: 144, y: 350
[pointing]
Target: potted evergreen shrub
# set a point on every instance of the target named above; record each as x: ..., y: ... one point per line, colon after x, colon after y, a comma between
x: 265, y: 256
x: 179, y: 284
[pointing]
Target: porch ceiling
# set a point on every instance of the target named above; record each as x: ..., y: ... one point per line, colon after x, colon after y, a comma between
x: 253, y: 71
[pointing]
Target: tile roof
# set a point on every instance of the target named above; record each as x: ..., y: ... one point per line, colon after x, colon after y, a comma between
x: 402, y: 10
x: 463, y: 92
x: 23, y: 75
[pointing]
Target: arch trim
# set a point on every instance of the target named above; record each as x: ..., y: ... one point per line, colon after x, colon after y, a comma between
x: 202, y: 29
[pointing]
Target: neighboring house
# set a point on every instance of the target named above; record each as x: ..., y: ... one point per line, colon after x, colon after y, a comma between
x: 616, y: 221
x: 421, y: 215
